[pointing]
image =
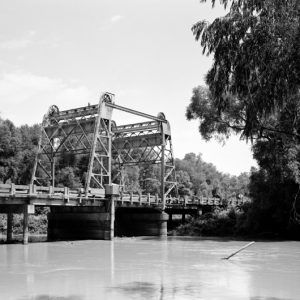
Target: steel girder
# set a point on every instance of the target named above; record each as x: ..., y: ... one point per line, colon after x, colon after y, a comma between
x: 90, y: 131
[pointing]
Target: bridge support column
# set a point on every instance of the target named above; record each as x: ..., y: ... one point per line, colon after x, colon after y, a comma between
x: 9, y: 233
x: 139, y: 221
x: 112, y: 218
x: 110, y: 231
x: 112, y: 191
x: 27, y: 209
x: 79, y: 223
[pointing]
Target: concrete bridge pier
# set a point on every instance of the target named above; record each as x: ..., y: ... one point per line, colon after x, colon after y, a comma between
x: 74, y: 223
x: 139, y: 221
x: 27, y: 209
x: 84, y: 222
x: 67, y: 223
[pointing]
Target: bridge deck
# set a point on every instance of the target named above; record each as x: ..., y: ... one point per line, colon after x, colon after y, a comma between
x: 11, y: 194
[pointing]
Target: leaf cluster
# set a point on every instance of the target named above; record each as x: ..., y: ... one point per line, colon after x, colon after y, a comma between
x: 256, y: 54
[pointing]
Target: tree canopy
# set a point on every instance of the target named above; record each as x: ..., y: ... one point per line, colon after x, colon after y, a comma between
x: 255, y: 75
x: 253, y: 89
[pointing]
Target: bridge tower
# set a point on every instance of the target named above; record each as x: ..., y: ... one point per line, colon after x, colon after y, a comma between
x: 84, y: 131
x: 89, y: 131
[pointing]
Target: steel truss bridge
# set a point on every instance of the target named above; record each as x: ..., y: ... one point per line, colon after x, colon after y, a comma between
x: 90, y: 131
x: 108, y: 149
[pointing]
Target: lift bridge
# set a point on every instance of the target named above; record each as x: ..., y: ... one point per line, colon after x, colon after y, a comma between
x: 109, y: 148
x: 90, y: 131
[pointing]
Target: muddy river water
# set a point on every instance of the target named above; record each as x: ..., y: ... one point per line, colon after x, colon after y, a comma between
x: 150, y: 268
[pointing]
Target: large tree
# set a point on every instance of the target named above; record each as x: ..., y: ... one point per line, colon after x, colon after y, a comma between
x: 254, y: 90
x: 256, y: 70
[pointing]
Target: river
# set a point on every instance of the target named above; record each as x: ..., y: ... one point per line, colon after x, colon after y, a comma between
x: 150, y: 268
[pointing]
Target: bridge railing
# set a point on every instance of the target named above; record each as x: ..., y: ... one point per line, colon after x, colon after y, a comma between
x: 65, y: 193
x: 181, y: 201
x: 212, y: 201
x: 139, y: 198
x: 13, y: 190
x: 196, y: 201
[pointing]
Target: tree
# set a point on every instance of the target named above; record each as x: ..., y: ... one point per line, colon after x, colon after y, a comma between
x: 196, y: 177
x: 184, y: 183
x: 254, y: 90
x: 256, y: 70
x: 27, y: 150
x: 68, y: 176
x: 9, y: 142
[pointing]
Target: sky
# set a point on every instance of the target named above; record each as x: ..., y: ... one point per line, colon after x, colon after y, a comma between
x: 67, y: 52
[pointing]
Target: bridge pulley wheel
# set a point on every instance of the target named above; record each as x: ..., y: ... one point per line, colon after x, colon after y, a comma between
x: 107, y: 98
x: 49, y: 117
x: 161, y: 115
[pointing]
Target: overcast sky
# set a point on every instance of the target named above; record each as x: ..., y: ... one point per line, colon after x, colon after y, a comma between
x: 67, y: 52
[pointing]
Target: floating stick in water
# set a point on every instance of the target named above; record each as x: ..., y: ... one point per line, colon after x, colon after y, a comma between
x: 236, y: 252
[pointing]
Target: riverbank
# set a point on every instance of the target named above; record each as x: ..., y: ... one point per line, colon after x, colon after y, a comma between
x: 232, y: 223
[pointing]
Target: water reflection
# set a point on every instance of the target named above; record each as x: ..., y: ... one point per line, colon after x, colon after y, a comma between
x: 140, y: 290
x: 268, y: 298
x: 112, y: 261
x: 48, y: 297
x: 147, y: 268
x: 149, y: 290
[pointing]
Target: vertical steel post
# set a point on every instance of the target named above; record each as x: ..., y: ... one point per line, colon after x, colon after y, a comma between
x: 52, y: 164
x: 163, y: 146
x: 100, y: 153
x: 93, y: 149
x: 53, y: 172
x: 109, y: 151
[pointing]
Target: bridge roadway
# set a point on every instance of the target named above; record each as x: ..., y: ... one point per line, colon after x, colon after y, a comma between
x: 68, y: 204
x: 11, y: 194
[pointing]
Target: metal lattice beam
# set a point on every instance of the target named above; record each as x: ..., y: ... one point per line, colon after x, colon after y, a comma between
x: 90, y: 131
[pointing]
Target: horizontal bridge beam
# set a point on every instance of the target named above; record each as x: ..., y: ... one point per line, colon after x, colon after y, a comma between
x: 79, y: 112
x: 135, y: 112
x: 139, y: 141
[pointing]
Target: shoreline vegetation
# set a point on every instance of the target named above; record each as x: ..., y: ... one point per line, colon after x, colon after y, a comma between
x: 37, y: 226
x: 232, y: 223
x: 221, y: 223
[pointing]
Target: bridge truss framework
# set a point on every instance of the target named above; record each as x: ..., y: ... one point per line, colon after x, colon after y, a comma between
x: 90, y: 132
